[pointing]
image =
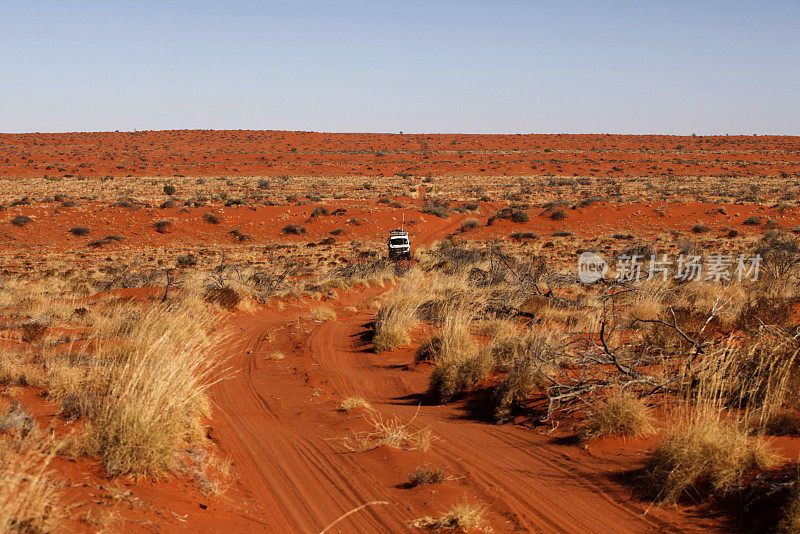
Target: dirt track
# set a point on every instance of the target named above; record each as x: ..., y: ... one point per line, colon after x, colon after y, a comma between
x: 279, y: 421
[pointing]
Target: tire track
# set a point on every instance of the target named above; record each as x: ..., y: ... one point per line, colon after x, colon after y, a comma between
x: 507, y: 464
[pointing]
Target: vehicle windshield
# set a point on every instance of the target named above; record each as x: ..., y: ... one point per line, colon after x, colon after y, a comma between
x: 399, y: 241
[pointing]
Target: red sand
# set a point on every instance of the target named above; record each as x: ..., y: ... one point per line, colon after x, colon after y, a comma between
x: 275, y: 153
x: 279, y: 420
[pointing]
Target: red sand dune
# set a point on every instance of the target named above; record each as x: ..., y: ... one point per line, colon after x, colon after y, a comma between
x: 275, y: 153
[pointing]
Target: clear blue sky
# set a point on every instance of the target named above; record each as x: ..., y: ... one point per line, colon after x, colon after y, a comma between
x: 461, y: 66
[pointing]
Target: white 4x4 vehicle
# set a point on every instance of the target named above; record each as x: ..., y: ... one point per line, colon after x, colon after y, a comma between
x: 399, y: 245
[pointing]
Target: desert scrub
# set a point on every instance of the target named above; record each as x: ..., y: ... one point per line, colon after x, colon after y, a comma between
x: 21, y: 220
x: 620, y: 415
x: 524, y: 376
x: 30, y: 500
x: 79, y: 231
x: 323, y: 313
x: 426, y: 475
x: 293, y: 229
x: 154, y: 401
x: 452, y: 377
x: 397, y: 317
x: 463, y: 517
x: 704, y: 450
x: 454, y: 342
x: 355, y: 403
x: 469, y: 224
x: 162, y: 226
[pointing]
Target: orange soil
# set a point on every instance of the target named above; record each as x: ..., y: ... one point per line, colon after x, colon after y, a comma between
x: 275, y: 153
x: 48, y: 233
x: 279, y: 420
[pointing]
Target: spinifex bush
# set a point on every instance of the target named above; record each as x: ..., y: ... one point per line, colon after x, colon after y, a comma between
x: 761, y: 376
x: 29, y: 498
x: 398, y: 317
x: 620, y: 415
x: 155, y: 399
x: 454, y: 342
x: 525, y: 374
x: 705, y: 450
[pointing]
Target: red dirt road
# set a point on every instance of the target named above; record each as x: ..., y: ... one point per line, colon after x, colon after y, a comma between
x: 281, y: 424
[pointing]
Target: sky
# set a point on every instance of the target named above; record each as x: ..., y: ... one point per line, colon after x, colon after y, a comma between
x: 646, y: 66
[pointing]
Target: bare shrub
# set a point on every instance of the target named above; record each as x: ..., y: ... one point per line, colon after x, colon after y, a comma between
x: 780, y: 253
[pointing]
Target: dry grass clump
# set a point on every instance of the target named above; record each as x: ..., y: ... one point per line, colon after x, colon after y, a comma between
x: 525, y: 374
x: 464, y: 516
x: 426, y: 475
x: 790, y: 522
x: 397, y: 317
x: 760, y: 377
x: 620, y: 415
x: 29, y: 497
x: 451, y: 377
x: 154, y: 401
x: 703, y: 451
x: 522, y: 379
x: 454, y: 342
x: 649, y: 300
x: 323, y: 313
x: 392, y: 432
x: 459, y: 363
x: 355, y: 403
x: 225, y: 297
